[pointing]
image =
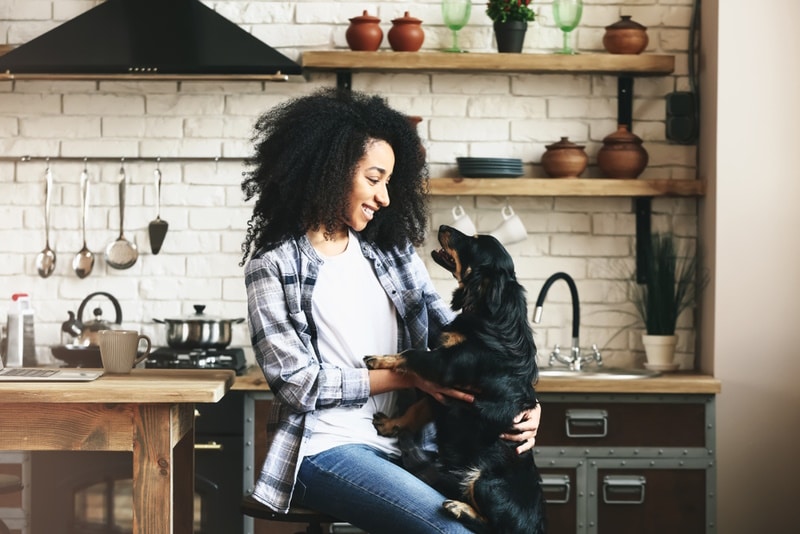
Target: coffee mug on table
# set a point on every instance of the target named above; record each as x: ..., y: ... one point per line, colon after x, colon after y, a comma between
x: 462, y: 221
x: 119, y: 350
x: 511, y: 230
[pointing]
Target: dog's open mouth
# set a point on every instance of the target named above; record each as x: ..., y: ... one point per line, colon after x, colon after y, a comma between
x: 444, y: 259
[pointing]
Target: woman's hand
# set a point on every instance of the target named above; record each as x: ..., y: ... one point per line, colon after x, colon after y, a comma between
x: 439, y: 392
x: 524, y: 430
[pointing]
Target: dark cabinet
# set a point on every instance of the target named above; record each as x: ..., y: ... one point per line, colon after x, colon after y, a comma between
x: 619, y: 464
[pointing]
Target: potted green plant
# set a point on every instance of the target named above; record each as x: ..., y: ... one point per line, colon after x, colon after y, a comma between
x: 672, y: 285
x: 511, y: 19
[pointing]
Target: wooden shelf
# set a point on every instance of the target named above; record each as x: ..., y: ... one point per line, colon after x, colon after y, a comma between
x: 565, y: 187
x: 642, y: 64
x: 147, y: 77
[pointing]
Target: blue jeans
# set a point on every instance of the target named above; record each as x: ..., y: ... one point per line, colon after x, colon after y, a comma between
x: 368, y: 489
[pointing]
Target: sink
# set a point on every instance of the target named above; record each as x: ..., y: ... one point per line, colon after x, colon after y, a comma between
x: 612, y: 373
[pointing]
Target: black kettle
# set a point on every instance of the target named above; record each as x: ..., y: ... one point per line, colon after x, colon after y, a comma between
x: 86, y: 331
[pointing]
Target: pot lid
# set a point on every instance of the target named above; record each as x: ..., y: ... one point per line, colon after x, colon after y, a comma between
x: 622, y: 135
x: 365, y: 17
x: 198, y: 315
x: 563, y: 143
x: 625, y: 23
x: 406, y: 19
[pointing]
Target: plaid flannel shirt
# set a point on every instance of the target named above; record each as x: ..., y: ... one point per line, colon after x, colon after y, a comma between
x: 280, y: 283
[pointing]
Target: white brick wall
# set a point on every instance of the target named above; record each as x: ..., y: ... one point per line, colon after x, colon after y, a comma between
x: 464, y: 114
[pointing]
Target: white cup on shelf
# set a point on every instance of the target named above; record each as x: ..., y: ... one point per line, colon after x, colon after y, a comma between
x: 462, y: 221
x: 511, y: 230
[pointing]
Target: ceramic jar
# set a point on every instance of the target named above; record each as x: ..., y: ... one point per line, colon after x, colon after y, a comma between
x: 564, y: 159
x: 364, y: 33
x: 406, y: 34
x: 625, y: 37
x: 622, y: 154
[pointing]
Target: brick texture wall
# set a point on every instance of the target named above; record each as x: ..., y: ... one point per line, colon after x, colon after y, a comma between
x: 504, y: 115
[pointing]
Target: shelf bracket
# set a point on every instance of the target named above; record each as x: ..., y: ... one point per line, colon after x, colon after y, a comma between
x: 625, y: 101
x: 344, y: 80
x: 642, y: 207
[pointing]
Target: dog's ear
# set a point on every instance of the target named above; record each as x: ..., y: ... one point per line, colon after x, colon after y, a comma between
x: 493, y: 290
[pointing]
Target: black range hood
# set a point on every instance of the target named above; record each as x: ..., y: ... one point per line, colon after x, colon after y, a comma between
x: 147, y: 37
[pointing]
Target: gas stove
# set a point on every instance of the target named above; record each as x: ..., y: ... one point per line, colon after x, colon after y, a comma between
x: 203, y: 358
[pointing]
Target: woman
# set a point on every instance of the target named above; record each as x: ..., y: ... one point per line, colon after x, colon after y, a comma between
x: 339, y: 182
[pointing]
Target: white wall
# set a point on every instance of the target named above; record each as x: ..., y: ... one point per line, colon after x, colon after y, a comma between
x: 464, y: 114
x: 753, y: 211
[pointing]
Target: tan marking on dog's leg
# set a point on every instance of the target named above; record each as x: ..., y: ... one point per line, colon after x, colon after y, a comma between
x: 468, y: 486
x: 451, y: 339
x: 416, y: 417
x: 459, y: 509
x: 387, y: 361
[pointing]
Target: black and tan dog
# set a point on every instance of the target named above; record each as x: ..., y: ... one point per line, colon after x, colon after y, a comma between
x: 487, y: 349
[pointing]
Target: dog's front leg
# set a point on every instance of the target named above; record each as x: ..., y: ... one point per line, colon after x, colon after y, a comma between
x: 393, y: 362
x: 416, y: 417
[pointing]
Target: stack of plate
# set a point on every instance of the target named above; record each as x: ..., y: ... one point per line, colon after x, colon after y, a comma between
x: 490, y: 167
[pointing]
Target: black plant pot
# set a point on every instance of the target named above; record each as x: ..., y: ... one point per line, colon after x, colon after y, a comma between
x: 510, y: 35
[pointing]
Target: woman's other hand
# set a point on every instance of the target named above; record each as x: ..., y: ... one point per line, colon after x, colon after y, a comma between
x: 524, y: 430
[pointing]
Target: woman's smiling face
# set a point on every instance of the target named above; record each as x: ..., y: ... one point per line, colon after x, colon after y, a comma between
x: 370, y: 185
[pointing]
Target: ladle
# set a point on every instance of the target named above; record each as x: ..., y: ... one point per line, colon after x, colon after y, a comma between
x: 121, y: 254
x: 83, y: 262
x: 46, y: 260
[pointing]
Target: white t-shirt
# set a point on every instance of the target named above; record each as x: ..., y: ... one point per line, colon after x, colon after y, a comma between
x: 354, y: 318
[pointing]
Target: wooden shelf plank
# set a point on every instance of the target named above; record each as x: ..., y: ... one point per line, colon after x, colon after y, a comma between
x: 567, y: 187
x: 144, y: 77
x: 641, y: 64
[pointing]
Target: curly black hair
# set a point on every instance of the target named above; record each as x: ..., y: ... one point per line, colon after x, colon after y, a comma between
x: 306, y: 153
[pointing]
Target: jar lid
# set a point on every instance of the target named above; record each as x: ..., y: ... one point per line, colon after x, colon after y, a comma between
x: 625, y: 23
x: 365, y: 17
x: 406, y: 19
x: 622, y: 135
x: 563, y: 143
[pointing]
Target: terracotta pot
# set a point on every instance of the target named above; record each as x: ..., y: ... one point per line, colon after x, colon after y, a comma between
x: 625, y: 37
x: 622, y: 154
x: 364, y: 33
x: 564, y: 159
x: 406, y: 34
x: 414, y: 120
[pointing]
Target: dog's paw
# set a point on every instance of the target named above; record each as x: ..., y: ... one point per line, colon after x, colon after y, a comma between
x: 385, y: 425
x: 388, y: 361
x: 459, y: 509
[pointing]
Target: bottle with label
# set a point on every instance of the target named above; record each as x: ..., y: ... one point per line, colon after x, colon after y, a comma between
x: 21, y: 347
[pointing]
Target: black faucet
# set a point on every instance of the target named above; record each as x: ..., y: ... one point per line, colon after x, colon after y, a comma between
x: 575, y: 360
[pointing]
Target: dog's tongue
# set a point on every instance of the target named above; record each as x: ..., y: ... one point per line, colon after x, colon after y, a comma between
x: 443, y: 259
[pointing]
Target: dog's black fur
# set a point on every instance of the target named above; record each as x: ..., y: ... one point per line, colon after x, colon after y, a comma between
x: 488, y: 349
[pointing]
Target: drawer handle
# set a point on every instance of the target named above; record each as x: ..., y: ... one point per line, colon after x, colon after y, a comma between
x: 587, y: 423
x: 210, y: 446
x: 558, y: 485
x: 623, y: 489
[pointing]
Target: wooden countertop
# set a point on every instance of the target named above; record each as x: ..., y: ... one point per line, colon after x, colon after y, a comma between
x: 144, y: 386
x: 667, y: 383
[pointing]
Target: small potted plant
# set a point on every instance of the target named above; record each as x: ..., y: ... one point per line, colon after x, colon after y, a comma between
x: 671, y: 286
x: 511, y: 19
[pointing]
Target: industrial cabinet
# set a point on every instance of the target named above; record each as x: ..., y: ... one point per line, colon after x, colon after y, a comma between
x: 618, y: 464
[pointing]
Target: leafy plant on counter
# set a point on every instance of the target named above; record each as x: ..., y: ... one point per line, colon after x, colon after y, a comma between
x: 506, y: 10
x: 672, y: 285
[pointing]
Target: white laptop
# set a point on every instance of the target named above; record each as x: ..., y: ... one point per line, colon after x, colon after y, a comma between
x: 47, y: 374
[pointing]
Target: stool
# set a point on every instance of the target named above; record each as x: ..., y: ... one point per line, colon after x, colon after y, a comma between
x: 314, y: 520
x: 8, y: 484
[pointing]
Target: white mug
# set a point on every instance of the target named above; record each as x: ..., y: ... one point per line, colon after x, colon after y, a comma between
x: 462, y: 221
x: 511, y: 230
x: 119, y: 350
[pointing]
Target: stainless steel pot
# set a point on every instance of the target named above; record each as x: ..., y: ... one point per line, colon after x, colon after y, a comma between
x: 199, y: 330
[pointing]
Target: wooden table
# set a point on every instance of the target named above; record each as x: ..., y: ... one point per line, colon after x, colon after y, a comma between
x: 149, y: 412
